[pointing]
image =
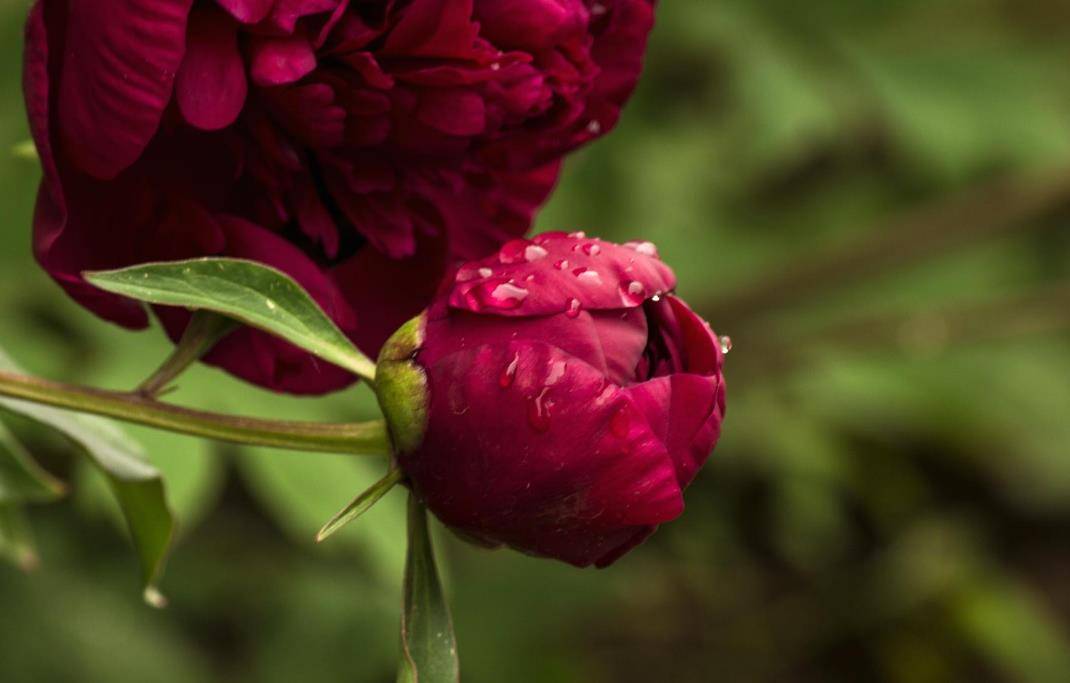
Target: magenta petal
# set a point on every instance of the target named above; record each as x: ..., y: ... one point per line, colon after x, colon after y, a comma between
x: 247, y: 11
x: 279, y: 61
x: 685, y: 412
x: 434, y: 28
x: 116, y: 80
x: 586, y: 476
x: 530, y: 24
x: 211, y: 86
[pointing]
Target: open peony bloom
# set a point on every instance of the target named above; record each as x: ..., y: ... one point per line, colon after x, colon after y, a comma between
x: 361, y: 146
x: 556, y: 398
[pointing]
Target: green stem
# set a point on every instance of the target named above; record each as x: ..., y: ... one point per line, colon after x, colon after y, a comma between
x: 204, y: 331
x: 365, y: 438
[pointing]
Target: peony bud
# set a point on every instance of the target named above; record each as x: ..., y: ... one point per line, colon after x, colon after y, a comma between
x: 556, y: 398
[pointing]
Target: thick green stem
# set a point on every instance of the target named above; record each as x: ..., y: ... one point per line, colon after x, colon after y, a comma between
x: 204, y: 331
x: 366, y: 438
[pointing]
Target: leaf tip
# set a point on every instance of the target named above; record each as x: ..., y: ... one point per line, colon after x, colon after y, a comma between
x: 154, y: 598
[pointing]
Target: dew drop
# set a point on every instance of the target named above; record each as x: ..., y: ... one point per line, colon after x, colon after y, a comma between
x: 656, y: 298
x: 644, y: 248
x: 592, y: 249
x: 515, y: 251
x: 588, y: 277
x: 632, y: 293
x: 561, y: 264
x: 594, y: 127
x: 574, y: 308
x: 534, y: 252
x: 466, y: 275
x: 505, y: 380
x: 496, y: 294
x: 539, y: 412
x: 726, y: 344
x: 557, y: 371
x: 578, y: 235
x: 270, y: 304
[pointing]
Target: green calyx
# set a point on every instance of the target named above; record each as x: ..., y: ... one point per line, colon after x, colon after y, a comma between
x: 401, y: 385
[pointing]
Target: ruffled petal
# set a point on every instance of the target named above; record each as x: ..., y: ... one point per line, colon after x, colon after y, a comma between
x: 585, y: 479
x: 117, y: 76
x: 211, y: 86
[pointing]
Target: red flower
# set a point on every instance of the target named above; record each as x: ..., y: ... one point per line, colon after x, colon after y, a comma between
x: 556, y: 398
x: 359, y: 145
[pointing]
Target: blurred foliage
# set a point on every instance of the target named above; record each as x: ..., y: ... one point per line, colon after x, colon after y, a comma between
x: 891, y: 498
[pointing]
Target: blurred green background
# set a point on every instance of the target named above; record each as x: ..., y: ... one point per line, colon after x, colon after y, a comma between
x: 871, y: 197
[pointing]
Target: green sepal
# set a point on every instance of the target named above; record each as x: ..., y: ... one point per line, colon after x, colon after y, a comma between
x: 401, y: 385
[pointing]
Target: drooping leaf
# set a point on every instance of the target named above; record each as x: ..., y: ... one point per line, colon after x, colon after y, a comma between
x: 21, y: 479
x: 428, y: 644
x: 252, y: 293
x: 361, y: 504
x: 136, y: 484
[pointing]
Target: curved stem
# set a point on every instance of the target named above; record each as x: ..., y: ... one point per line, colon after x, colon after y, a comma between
x: 365, y: 438
x: 205, y: 330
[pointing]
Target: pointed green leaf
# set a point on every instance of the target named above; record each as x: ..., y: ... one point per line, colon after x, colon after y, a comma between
x: 429, y: 648
x: 136, y: 484
x: 360, y: 504
x: 21, y: 479
x: 16, y: 543
x: 249, y: 292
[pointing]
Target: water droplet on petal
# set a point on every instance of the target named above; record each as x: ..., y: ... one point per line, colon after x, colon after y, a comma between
x: 578, y: 235
x: 592, y: 249
x: 656, y: 298
x: 726, y: 344
x: 505, y: 380
x: 485, y: 272
x: 589, y: 277
x: 557, y: 371
x: 632, y: 293
x: 561, y: 264
x: 466, y: 275
x: 574, y: 308
x: 644, y: 248
x: 503, y: 295
x: 534, y: 252
x: 594, y: 127
x: 515, y: 251
x: 539, y: 412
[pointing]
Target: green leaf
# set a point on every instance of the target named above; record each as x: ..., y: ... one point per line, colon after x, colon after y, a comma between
x: 16, y: 543
x: 21, y: 479
x: 360, y: 504
x: 252, y: 293
x: 136, y: 484
x: 429, y: 648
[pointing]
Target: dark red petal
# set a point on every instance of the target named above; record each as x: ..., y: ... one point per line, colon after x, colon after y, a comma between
x: 247, y: 11
x: 386, y: 292
x: 211, y: 86
x: 280, y: 61
x: 529, y: 446
x: 684, y: 411
x: 117, y: 76
x: 453, y: 111
x: 556, y: 273
x: 434, y: 28
x: 530, y: 24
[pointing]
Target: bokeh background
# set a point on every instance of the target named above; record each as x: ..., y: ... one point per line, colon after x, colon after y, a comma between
x: 872, y: 197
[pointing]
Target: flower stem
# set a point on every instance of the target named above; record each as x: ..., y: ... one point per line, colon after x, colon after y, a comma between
x: 205, y: 330
x: 365, y: 438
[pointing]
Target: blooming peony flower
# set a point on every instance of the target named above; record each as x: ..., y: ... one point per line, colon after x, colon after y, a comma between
x: 556, y: 398
x: 361, y: 146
